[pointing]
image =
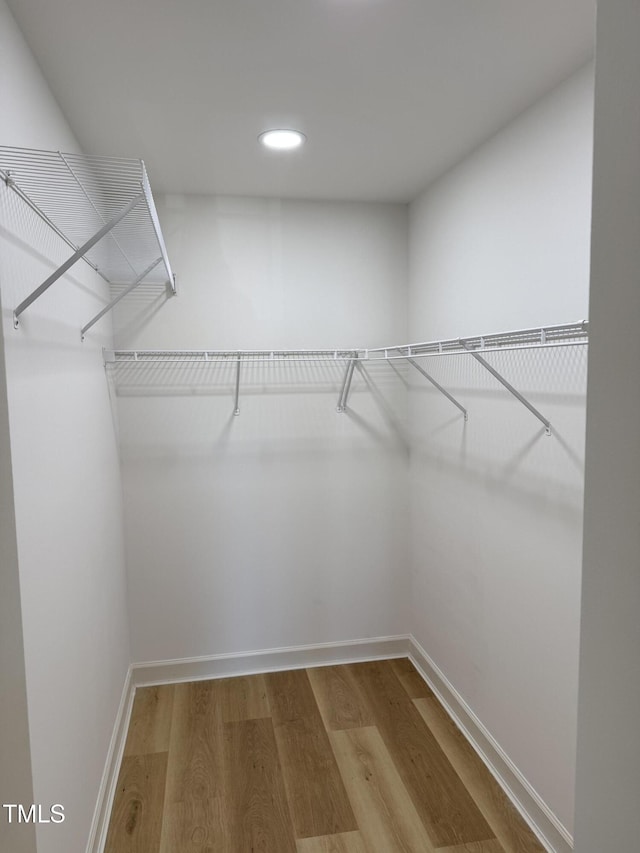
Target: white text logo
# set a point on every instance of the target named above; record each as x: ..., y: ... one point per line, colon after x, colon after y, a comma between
x: 35, y: 813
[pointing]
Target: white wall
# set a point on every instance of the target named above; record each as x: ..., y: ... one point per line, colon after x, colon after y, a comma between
x: 608, y: 766
x: 289, y: 524
x: 285, y: 525
x: 16, y: 783
x: 502, y: 242
x: 68, y: 504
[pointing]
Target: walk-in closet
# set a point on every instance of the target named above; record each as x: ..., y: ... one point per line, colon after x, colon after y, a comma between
x: 318, y: 426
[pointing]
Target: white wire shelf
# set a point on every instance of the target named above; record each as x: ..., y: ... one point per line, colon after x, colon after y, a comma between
x: 547, y: 336
x: 570, y: 334
x: 190, y: 357
x: 478, y: 346
x: 103, y: 209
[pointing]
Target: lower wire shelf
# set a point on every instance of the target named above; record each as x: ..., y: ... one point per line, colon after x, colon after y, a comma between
x: 356, y: 358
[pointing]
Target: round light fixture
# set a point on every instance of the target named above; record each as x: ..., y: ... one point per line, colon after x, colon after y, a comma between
x: 282, y: 140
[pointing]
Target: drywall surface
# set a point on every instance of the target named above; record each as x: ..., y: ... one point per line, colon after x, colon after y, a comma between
x: 500, y: 243
x: 608, y: 765
x: 285, y: 525
x: 16, y: 784
x: 67, y: 492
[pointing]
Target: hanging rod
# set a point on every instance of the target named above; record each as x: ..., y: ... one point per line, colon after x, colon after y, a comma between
x: 103, y: 209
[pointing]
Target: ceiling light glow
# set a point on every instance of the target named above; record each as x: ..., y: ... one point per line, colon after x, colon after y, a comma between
x: 282, y: 140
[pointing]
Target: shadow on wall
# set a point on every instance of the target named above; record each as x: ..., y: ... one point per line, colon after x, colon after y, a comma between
x: 503, y: 448
x: 142, y: 306
x: 186, y: 408
x: 388, y: 412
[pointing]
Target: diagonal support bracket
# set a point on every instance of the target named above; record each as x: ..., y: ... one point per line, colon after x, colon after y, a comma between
x: 508, y: 386
x: 120, y: 296
x: 236, y: 408
x: 108, y: 226
x: 437, y: 385
x: 346, y: 386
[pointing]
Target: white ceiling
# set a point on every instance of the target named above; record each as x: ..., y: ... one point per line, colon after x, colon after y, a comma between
x: 390, y: 93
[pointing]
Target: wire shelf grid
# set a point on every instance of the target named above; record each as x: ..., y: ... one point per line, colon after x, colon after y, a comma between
x: 77, y: 195
x: 572, y: 334
x: 125, y: 364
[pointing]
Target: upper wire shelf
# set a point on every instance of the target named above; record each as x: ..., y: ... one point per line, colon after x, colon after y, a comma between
x: 570, y: 334
x: 103, y: 209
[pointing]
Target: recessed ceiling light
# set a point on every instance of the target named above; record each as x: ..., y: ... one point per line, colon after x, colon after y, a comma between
x: 282, y: 140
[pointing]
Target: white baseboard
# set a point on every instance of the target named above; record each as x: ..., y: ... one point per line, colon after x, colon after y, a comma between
x: 219, y: 666
x: 269, y: 660
x: 552, y: 834
x: 106, y: 792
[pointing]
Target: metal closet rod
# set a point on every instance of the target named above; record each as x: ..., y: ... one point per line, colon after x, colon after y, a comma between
x: 568, y: 334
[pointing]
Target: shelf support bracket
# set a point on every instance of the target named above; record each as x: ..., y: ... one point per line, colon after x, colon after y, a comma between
x: 236, y: 408
x: 346, y: 386
x: 76, y: 257
x: 120, y: 296
x: 437, y: 385
x: 508, y: 386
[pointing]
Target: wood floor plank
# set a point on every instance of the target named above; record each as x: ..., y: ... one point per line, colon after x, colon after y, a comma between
x: 446, y: 808
x: 242, y: 698
x: 136, y: 816
x: 150, y: 724
x: 195, y: 764
x: 196, y: 826
x: 492, y: 846
x: 259, y: 818
x: 345, y: 842
x: 387, y: 818
x: 339, y: 698
x: 282, y: 762
x: 410, y: 678
x: 315, y: 791
x: 506, y: 823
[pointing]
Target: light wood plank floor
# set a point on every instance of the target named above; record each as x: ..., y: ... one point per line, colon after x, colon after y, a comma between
x: 340, y: 759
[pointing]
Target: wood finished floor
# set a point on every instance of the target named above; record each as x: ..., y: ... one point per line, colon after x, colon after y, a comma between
x: 359, y: 758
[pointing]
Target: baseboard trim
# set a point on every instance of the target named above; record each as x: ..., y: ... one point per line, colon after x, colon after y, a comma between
x: 552, y: 834
x: 106, y: 792
x: 220, y: 666
x: 269, y: 660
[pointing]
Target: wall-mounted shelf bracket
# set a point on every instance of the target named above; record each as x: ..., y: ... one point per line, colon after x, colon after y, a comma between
x: 120, y: 296
x: 346, y: 386
x: 88, y: 201
x: 507, y: 385
x: 75, y: 257
x: 236, y: 408
x: 439, y: 387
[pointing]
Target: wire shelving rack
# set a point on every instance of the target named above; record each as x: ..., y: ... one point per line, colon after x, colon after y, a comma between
x: 352, y: 359
x: 103, y: 209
